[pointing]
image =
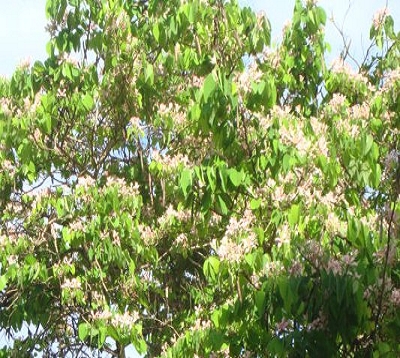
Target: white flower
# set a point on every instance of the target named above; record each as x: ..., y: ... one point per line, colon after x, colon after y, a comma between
x: 283, y: 236
x: 379, y: 17
x: 282, y: 325
x: 72, y: 284
x: 125, y: 320
x: 395, y: 297
x: 86, y: 182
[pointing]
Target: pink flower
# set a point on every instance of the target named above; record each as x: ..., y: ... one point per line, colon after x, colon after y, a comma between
x: 282, y: 325
x: 379, y: 17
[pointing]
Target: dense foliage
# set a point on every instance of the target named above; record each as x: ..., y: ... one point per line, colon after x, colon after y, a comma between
x: 170, y: 180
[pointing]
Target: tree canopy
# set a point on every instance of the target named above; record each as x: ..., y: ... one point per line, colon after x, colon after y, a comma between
x: 172, y: 181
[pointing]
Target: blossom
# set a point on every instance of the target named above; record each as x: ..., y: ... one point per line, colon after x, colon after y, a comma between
x: 231, y: 251
x: 318, y: 324
x: 72, y: 284
x: 283, y: 236
x: 182, y: 240
x: 334, y: 225
x: 337, y: 102
x: 67, y: 58
x: 125, y: 320
x: 174, y: 111
x: 296, y: 268
x: 102, y: 315
x: 392, y: 160
x: 25, y: 63
x: 379, y: 17
x: 12, y: 259
x: 395, y: 297
x: 286, y: 26
x: 9, y: 167
x: 293, y: 135
x: 334, y: 266
x: 282, y: 325
x: 340, y: 67
x: 124, y: 189
x: 6, y: 106
x: 200, y: 324
x: 170, y: 163
x: 390, y: 79
x: 147, y: 234
x: 85, y: 182
x: 171, y: 215
x: 251, y: 75
x: 359, y: 111
x: 77, y: 226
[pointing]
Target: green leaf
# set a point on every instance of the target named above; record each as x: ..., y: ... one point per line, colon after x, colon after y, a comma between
x: 211, y: 268
x: 367, y: 144
x: 102, y: 336
x: 211, y: 178
x: 215, y: 317
x: 3, y: 282
x: 208, y: 86
x: 88, y: 102
x: 260, y: 302
x: 156, y: 32
x: 294, y: 215
x: 186, y: 181
x: 286, y: 162
x: 149, y: 74
x: 235, y: 177
x: 255, y: 204
x: 223, y: 176
x: 321, y: 15
x: 83, y: 331
x: 222, y: 205
x: 286, y: 293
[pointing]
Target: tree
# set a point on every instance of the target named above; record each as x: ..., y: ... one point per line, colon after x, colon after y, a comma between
x: 170, y: 181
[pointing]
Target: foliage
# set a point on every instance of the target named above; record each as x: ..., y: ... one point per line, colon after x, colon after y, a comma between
x: 169, y: 180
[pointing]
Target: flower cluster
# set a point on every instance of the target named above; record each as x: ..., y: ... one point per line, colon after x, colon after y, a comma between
x: 200, y: 324
x: 170, y: 163
x: 171, y: 215
x: 71, y: 284
x: 395, y: 297
x: 283, y: 235
x: 124, y: 189
x: 239, y: 239
x: 174, y: 111
x: 122, y: 321
x: 125, y: 321
x: 85, y: 182
x: 319, y: 323
x: 147, y: 234
x: 337, y: 102
x: 379, y: 18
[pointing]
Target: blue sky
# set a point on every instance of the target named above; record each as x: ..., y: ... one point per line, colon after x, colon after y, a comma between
x: 22, y: 23
x: 22, y: 33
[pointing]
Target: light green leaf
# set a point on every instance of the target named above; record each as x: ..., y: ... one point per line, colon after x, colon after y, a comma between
x: 156, y: 32
x: 149, y: 74
x: 235, y: 177
x: 255, y: 204
x: 224, y: 208
x: 294, y: 215
x: 186, y: 181
x: 88, y: 102
x: 208, y: 86
x: 260, y: 302
x: 3, y: 282
x: 83, y: 331
x: 211, y: 267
